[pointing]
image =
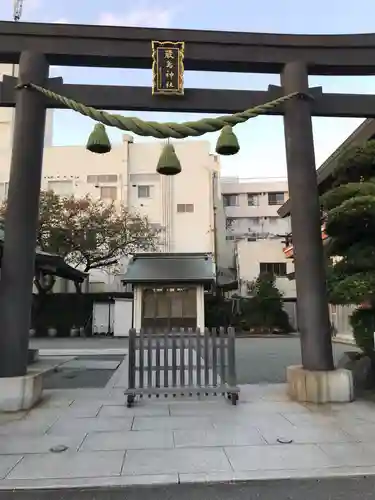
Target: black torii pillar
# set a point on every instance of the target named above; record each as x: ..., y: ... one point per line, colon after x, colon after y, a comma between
x: 21, y: 220
x: 313, y: 315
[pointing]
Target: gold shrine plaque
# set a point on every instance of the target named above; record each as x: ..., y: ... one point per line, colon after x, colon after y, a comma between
x: 168, y: 68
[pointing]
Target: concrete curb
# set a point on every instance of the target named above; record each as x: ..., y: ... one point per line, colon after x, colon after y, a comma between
x: 82, y: 352
x: 178, y: 479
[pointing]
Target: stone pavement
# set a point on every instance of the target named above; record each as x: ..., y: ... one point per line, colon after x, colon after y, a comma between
x: 164, y: 441
x: 79, y: 346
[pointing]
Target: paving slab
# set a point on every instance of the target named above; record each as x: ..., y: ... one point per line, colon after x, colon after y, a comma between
x: 54, y: 399
x: 249, y: 410
x: 140, y: 462
x: 172, y: 423
x: 71, y: 411
x: 182, y: 440
x: 307, y: 434
x: 235, y: 436
x: 92, y: 364
x: 147, y: 410
x: 261, y: 421
x: 40, y: 444
x: 25, y: 427
x: 363, y: 432
x: 69, y: 465
x: 140, y: 440
x: 67, y: 426
x: 291, y: 456
x: 350, y: 454
x: 7, y: 463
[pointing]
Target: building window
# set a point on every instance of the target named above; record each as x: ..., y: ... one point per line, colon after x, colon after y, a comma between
x: 272, y: 220
x: 144, y: 191
x: 185, y: 208
x: 108, y: 193
x: 229, y: 222
x: 230, y: 200
x: 253, y: 220
x: 276, y: 198
x: 229, y: 238
x: 61, y: 188
x: 275, y: 268
x: 253, y: 199
x: 96, y: 179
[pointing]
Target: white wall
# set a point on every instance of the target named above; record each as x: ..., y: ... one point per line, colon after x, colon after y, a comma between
x: 103, y: 317
x: 123, y: 317
x: 183, y: 231
x: 251, y: 254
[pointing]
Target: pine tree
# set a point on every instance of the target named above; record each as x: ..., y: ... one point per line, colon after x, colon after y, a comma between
x: 265, y: 308
x: 350, y: 225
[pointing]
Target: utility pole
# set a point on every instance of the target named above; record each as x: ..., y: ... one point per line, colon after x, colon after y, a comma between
x: 17, y: 10
x: 17, y: 13
x: 216, y: 252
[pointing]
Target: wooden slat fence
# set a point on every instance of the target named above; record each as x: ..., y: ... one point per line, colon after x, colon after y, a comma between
x: 184, y: 362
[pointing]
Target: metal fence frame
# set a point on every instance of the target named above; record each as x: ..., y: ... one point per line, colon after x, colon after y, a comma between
x: 184, y: 362
x: 340, y: 320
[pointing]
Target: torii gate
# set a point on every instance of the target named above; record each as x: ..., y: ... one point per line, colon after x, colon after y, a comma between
x: 36, y: 46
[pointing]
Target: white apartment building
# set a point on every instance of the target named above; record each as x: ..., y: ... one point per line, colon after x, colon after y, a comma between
x: 264, y: 255
x: 181, y: 205
x: 256, y: 231
x: 251, y: 207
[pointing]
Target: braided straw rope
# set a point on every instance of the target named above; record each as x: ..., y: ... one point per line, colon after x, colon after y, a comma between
x: 162, y: 130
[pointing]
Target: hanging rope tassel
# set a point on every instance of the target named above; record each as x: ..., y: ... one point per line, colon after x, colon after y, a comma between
x: 162, y: 130
x: 98, y: 141
x: 169, y: 163
x: 227, y: 144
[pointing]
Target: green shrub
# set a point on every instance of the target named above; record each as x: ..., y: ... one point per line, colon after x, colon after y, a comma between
x: 362, y: 322
x: 264, y: 310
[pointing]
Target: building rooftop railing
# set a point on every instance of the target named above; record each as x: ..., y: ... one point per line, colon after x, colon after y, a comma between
x: 244, y: 180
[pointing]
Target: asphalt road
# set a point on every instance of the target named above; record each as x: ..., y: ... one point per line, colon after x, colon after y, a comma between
x: 261, y: 360
x: 359, y: 488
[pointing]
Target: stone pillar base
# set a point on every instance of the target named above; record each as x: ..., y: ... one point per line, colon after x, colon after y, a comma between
x: 320, y: 386
x: 20, y: 393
